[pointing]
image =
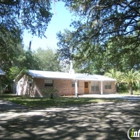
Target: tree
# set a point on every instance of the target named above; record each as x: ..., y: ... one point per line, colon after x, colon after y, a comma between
x: 106, y: 18
x: 130, y: 78
x: 13, y: 59
x: 47, y: 60
x: 65, y: 45
x: 116, y: 75
x: 97, y: 58
x: 32, y: 15
x: 17, y: 16
x: 105, y: 34
x: 84, y: 59
x: 122, y: 56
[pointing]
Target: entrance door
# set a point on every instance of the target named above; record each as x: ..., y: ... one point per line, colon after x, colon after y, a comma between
x: 86, y: 87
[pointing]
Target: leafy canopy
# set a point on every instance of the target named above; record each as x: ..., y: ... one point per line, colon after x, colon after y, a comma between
x: 32, y: 15
x: 47, y: 60
x: 102, y: 19
x: 130, y: 78
x: 106, y: 32
x: 18, y: 15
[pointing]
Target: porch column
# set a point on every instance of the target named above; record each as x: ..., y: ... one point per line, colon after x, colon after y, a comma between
x: 101, y: 87
x: 76, y: 89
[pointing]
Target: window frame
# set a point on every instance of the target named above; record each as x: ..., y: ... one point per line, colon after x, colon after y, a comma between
x: 108, y: 85
x: 94, y: 86
x: 73, y: 84
x: 47, y: 82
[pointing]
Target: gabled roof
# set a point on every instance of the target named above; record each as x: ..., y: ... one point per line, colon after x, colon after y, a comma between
x: 2, y: 72
x: 62, y: 75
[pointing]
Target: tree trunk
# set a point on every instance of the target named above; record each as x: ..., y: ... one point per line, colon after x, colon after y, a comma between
x: 130, y: 89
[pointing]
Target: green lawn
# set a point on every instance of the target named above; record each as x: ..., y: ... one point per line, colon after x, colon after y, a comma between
x: 60, y: 101
x: 127, y: 92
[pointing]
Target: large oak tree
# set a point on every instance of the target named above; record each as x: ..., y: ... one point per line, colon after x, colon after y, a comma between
x: 104, y: 27
x: 15, y: 17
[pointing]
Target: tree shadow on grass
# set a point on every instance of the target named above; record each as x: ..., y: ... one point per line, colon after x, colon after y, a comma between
x: 102, y: 121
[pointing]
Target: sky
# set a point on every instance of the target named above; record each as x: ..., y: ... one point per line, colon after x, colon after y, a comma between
x: 60, y: 21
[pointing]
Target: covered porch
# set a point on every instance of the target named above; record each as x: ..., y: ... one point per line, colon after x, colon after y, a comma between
x: 92, y: 86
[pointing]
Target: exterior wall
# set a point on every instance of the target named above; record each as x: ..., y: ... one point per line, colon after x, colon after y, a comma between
x: 61, y: 86
x: 27, y: 87
x: 64, y: 87
x: 112, y: 90
x: 81, y: 87
x: 22, y: 87
x: 105, y: 91
x: 94, y: 92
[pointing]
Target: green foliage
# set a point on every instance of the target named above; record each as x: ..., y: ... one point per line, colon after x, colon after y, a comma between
x: 114, y: 74
x: 14, y: 61
x: 31, y: 15
x: 22, y: 60
x: 14, y: 71
x: 97, y: 58
x: 106, y: 35
x: 65, y: 44
x: 19, y: 60
x: 102, y: 19
x: 50, y: 92
x: 16, y: 16
x: 47, y: 60
x: 122, y: 56
x: 81, y: 55
x: 130, y: 78
x: 9, y: 41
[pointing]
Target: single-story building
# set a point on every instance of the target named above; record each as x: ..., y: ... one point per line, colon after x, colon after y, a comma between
x: 36, y: 83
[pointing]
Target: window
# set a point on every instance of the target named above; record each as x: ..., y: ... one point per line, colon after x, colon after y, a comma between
x: 73, y: 83
x: 108, y: 85
x: 30, y: 83
x: 94, y: 86
x: 48, y: 82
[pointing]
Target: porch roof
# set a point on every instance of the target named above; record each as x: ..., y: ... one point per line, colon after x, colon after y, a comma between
x: 62, y: 75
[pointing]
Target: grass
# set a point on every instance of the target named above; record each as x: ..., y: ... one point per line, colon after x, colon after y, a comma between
x: 135, y: 92
x: 47, y: 102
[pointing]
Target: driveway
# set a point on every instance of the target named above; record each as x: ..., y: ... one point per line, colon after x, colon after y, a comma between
x: 112, y: 96
x: 97, y: 121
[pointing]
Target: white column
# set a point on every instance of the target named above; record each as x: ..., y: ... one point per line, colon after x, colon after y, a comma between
x: 76, y: 89
x: 101, y: 87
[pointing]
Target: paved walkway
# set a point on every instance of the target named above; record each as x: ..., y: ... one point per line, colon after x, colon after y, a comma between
x: 97, y: 121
